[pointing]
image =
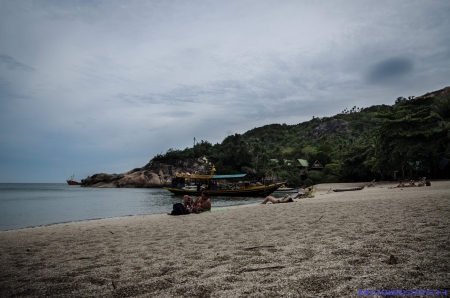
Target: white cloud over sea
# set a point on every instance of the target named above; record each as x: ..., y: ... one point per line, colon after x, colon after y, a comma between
x: 103, y: 86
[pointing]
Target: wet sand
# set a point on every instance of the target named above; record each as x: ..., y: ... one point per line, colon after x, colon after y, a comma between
x: 327, y: 246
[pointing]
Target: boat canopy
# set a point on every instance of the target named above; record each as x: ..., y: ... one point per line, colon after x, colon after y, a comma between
x: 209, y: 176
x: 228, y: 176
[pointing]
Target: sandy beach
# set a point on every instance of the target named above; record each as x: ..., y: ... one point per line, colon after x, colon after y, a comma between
x: 331, y: 245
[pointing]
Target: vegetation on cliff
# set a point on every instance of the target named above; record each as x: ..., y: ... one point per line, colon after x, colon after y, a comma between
x: 406, y: 140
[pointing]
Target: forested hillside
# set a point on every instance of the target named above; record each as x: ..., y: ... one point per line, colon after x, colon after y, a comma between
x: 409, y: 139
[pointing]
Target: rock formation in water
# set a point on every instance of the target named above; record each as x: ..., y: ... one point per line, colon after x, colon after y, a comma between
x: 153, y: 174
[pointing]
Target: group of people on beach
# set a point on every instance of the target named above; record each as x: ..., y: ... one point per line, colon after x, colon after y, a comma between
x: 203, y: 202
x: 422, y: 182
x: 200, y: 204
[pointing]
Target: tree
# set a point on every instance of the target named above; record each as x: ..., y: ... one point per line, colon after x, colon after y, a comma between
x: 353, y: 161
x: 264, y: 158
x: 442, y: 110
x: 408, y: 134
x: 202, y: 149
x: 256, y: 148
x: 316, y: 176
x: 400, y: 100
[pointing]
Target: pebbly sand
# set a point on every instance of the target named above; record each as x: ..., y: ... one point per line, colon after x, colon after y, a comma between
x: 327, y: 246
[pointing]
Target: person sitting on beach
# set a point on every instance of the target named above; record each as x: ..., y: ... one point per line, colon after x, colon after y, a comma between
x: 202, y: 203
x: 273, y: 200
x: 400, y: 184
x: 372, y: 184
x: 424, y: 181
x: 303, y: 192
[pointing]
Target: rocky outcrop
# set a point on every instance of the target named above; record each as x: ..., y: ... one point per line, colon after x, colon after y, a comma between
x: 153, y: 174
x: 442, y: 92
x: 330, y: 127
x: 327, y: 128
x: 249, y: 171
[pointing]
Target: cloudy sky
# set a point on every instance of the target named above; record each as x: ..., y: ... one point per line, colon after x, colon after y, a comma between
x: 103, y: 86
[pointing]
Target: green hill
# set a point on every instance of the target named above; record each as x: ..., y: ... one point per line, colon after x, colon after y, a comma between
x: 409, y: 139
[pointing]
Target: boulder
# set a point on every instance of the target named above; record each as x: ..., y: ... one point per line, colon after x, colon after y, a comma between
x: 327, y: 128
x: 330, y: 127
x: 249, y: 171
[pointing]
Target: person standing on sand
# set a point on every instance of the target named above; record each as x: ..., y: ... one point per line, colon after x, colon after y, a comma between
x: 202, y: 203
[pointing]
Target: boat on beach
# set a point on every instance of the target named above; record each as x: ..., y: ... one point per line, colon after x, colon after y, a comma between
x: 282, y: 190
x: 348, y: 189
x: 72, y: 182
x: 232, y: 185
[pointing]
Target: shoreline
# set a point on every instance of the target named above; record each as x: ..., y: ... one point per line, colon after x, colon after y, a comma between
x: 121, y: 217
x: 329, y: 245
x: 153, y: 214
x: 325, y: 187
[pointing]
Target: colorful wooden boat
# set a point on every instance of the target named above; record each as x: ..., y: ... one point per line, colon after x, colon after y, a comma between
x: 219, y: 185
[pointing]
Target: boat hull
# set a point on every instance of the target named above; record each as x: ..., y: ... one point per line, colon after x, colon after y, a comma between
x: 71, y: 182
x: 348, y: 189
x: 255, y: 191
x: 286, y: 190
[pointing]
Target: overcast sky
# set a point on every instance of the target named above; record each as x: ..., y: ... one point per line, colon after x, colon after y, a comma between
x: 103, y: 86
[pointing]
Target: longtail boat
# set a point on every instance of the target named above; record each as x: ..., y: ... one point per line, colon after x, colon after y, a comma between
x: 219, y: 185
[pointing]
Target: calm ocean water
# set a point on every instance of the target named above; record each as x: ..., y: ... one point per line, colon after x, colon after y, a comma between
x: 35, y: 204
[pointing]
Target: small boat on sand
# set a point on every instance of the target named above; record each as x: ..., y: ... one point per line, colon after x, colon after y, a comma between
x: 348, y: 189
x: 72, y: 182
x: 286, y: 190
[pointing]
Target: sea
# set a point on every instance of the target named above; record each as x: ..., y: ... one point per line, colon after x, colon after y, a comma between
x: 24, y: 205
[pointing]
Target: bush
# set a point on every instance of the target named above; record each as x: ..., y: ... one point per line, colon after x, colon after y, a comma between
x: 331, y: 179
x: 292, y: 176
x: 316, y: 176
x: 332, y: 169
x: 308, y: 182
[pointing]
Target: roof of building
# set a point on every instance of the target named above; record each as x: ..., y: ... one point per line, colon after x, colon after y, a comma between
x: 303, y: 162
x: 228, y: 176
x: 317, y: 165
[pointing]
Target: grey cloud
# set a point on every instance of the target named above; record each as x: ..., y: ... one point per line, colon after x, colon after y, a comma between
x: 228, y: 66
x: 7, y: 91
x: 389, y: 70
x: 283, y: 89
x: 183, y: 93
x: 188, y: 94
x: 181, y: 114
x: 180, y: 95
x: 13, y: 64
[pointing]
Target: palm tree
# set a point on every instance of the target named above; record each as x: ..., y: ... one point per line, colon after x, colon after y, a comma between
x: 264, y: 158
x: 257, y: 148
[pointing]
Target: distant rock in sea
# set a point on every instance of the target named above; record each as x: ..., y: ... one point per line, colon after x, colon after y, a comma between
x: 153, y: 174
